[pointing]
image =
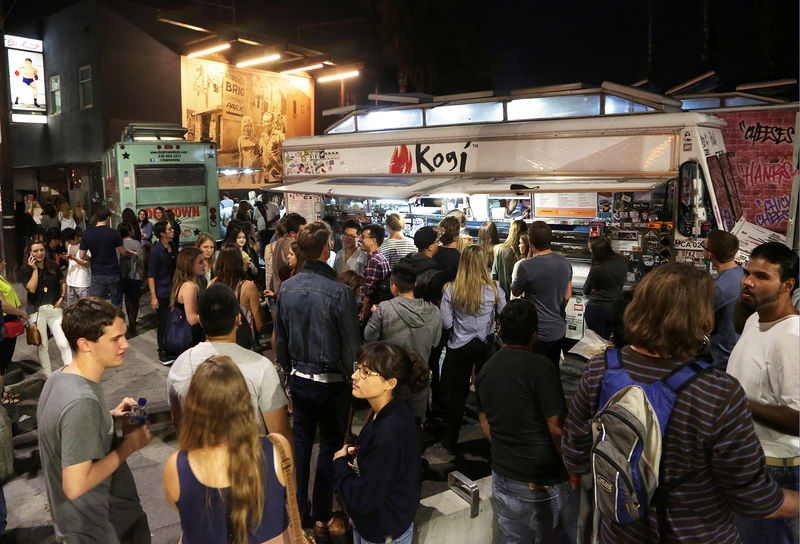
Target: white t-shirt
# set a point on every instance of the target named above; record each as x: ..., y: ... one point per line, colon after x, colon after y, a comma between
x: 766, y: 362
x: 259, y: 373
x: 77, y: 275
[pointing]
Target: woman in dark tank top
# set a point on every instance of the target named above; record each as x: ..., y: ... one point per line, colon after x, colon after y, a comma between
x: 223, y: 482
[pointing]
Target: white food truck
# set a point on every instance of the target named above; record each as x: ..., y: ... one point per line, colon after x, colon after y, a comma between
x: 653, y: 182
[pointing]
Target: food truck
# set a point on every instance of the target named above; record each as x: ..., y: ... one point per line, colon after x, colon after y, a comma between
x: 153, y: 165
x: 616, y: 161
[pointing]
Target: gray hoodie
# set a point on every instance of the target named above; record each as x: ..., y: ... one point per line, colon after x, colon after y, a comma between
x: 411, y: 323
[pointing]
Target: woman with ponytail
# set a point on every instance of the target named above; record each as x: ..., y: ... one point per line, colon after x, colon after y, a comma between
x: 379, y: 476
x: 224, y: 482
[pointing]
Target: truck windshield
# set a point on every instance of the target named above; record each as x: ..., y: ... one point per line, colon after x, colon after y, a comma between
x: 730, y: 208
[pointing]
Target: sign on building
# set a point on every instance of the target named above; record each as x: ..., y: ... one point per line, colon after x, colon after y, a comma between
x: 26, y: 80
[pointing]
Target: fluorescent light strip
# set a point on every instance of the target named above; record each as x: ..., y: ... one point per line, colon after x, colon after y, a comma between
x: 209, y: 51
x: 183, y: 25
x: 344, y: 75
x: 261, y: 60
x: 303, y: 69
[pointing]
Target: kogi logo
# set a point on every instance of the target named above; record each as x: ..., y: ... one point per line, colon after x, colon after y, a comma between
x: 453, y: 159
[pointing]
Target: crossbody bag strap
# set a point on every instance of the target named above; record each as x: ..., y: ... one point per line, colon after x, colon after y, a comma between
x: 281, y: 445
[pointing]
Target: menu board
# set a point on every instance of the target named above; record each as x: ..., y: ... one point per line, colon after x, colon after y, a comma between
x: 565, y: 205
x: 306, y: 205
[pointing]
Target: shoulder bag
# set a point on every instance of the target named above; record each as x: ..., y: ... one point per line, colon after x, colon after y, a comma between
x: 32, y: 333
x: 287, y: 467
x: 177, y: 332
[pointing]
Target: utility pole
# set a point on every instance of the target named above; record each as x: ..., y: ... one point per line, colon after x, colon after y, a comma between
x: 8, y: 243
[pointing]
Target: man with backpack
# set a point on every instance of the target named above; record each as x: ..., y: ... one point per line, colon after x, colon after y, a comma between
x: 668, y: 441
x: 521, y: 410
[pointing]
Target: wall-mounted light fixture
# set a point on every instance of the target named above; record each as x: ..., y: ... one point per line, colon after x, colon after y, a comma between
x: 210, y: 50
x: 302, y: 69
x: 336, y: 77
x: 260, y: 60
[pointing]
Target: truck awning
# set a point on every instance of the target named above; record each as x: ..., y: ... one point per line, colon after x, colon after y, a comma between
x: 404, y: 187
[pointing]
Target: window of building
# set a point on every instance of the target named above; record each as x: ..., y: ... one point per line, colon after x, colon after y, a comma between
x: 85, y: 86
x: 55, y: 94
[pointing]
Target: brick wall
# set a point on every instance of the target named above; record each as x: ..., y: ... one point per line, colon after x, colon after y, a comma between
x: 761, y: 143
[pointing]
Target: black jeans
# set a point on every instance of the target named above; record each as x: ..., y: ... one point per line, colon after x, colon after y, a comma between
x: 162, y: 313
x: 456, y: 373
x: 600, y: 318
x: 436, y: 405
x: 551, y: 350
x: 326, y: 405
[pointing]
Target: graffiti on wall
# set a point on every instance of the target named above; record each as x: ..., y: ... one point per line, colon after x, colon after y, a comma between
x: 755, y: 174
x: 774, y: 210
x: 758, y: 133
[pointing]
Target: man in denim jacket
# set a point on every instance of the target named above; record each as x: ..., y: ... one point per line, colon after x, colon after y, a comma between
x: 316, y: 339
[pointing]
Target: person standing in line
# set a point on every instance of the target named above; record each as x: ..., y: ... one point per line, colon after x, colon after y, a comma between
x: 12, y: 310
x: 205, y: 243
x: 316, y: 339
x: 229, y: 272
x: 46, y: 288
x: 90, y: 489
x: 190, y: 269
x: 765, y: 360
x: 169, y: 215
x: 65, y: 216
x: 396, y: 246
x: 79, y: 215
x: 546, y: 280
x: 720, y: 248
x: 709, y: 440
x: 508, y: 254
x: 379, y: 476
x: 603, y: 285
x: 375, y: 269
x: 129, y: 217
x: 292, y: 223
x: 470, y: 306
x: 447, y: 256
x: 221, y: 450
x: 160, y: 269
x: 78, y: 272
x: 130, y: 269
x: 220, y: 318
x: 146, y: 228
x: 50, y: 220
x: 350, y: 257
x: 105, y: 244
x: 411, y: 323
x: 521, y: 410
x: 489, y: 240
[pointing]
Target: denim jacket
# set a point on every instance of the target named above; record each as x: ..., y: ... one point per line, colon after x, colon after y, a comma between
x: 316, y: 328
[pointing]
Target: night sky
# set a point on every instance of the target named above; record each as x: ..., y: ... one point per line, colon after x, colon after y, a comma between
x: 450, y: 46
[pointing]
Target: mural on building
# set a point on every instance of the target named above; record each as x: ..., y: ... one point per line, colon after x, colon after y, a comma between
x: 762, y: 143
x: 248, y: 113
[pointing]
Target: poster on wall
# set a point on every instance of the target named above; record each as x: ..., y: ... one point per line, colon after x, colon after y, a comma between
x: 248, y: 113
x: 306, y: 205
x: 26, y: 78
x: 565, y: 205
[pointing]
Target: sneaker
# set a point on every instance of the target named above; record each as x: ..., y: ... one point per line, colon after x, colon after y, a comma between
x: 165, y: 358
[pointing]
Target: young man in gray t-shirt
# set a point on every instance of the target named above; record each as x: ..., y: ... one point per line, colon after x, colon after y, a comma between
x: 546, y: 280
x: 90, y: 488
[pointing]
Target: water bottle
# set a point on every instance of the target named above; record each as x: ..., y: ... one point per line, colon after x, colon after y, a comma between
x: 139, y: 412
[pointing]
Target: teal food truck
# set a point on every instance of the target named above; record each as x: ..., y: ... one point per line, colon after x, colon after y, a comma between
x: 154, y: 165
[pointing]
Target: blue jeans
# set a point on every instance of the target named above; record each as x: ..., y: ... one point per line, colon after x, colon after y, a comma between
x: 405, y: 538
x: 778, y: 530
x: 107, y: 287
x: 600, y: 318
x: 525, y: 516
x: 326, y: 405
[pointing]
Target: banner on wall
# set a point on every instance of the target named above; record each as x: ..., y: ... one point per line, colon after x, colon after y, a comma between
x: 26, y: 78
x: 248, y: 113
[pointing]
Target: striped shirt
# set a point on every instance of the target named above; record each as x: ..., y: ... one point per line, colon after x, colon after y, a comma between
x: 375, y: 270
x: 394, y: 250
x: 710, y: 431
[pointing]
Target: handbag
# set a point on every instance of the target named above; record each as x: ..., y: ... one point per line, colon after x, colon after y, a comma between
x: 32, y: 334
x: 281, y: 445
x: 177, y: 332
x: 14, y: 328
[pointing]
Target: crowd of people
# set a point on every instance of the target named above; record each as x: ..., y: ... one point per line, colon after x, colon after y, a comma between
x: 410, y: 325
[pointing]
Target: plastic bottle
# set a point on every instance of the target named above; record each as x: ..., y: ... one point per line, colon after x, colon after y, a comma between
x: 139, y: 412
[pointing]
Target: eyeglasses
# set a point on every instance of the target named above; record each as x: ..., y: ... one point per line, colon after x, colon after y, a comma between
x: 350, y: 236
x: 365, y: 236
x: 364, y: 372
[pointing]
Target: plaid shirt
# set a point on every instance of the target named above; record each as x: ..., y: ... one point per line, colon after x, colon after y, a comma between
x: 375, y: 270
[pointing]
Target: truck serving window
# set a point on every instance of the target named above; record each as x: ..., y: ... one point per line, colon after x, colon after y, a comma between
x: 170, y: 176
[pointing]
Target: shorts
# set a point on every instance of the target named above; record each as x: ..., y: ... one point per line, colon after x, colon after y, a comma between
x: 27, y: 80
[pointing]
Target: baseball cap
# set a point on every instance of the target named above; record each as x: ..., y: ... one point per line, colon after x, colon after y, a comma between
x: 426, y: 236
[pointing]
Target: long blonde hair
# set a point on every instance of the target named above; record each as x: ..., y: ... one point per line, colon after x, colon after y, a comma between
x: 78, y: 214
x: 184, y: 271
x: 515, y: 231
x: 218, y: 411
x: 66, y: 210
x: 472, y: 273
